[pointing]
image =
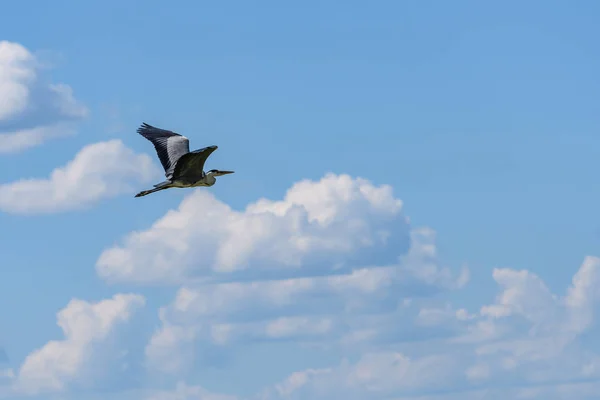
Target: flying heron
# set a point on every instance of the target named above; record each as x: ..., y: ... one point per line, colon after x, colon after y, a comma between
x: 183, y: 168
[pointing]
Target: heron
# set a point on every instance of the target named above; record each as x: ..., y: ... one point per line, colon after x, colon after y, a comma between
x: 183, y: 168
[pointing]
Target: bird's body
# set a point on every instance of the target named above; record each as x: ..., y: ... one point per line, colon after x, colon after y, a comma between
x: 183, y: 168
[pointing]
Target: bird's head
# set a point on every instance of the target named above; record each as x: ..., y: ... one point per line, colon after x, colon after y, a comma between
x: 216, y: 172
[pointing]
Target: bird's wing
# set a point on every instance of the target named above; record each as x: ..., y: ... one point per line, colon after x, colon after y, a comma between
x: 193, y: 161
x: 170, y: 146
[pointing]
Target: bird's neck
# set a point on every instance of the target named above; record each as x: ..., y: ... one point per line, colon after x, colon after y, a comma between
x: 210, y: 178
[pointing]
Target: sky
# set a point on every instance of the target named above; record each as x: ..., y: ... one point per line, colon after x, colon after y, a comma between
x: 413, y: 214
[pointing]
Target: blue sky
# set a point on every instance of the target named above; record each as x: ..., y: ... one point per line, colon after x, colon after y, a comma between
x: 463, y: 127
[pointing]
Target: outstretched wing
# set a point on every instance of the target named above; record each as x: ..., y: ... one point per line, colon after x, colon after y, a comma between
x: 169, y: 146
x: 193, y: 162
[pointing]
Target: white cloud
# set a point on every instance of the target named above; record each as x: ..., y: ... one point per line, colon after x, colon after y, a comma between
x: 100, y: 170
x: 334, y: 219
x: 298, y: 269
x: 561, y: 391
x: 17, y: 72
x: 185, y: 392
x: 85, y: 326
x: 289, y: 326
x: 436, y: 316
x: 533, y: 334
x: 168, y: 349
x: 530, y: 350
x: 534, y: 352
x: 328, y: 309
x: 30, y: 137
x: 374, y: 376
x: 32, y: 110
x: 478, y: 371
x: 297, y: 307
x: 389, y: 322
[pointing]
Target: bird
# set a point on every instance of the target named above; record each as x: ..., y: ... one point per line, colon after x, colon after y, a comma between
x: 183, y: 168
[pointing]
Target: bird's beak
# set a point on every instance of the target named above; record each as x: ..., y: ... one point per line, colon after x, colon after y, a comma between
x: 225, y: 172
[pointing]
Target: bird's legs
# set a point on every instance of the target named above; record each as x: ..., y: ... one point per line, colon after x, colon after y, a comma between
x: 161, y: 186
x: 147, y: 192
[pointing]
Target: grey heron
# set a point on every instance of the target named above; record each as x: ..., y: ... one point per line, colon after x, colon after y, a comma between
x: 183, y: 168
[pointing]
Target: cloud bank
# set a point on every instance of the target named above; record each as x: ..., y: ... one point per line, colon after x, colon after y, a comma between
x: 333, y: 268
x: 396, y: 335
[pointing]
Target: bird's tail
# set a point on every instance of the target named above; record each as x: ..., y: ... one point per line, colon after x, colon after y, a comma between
x: 147, y: 192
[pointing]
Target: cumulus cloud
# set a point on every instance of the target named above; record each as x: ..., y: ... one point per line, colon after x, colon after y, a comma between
x: 535, y: 334
x: 334, y: 218
x: 293, y: 269
x: 364, y: 304
x: 528, y: 343
x: 86, y: 326
x: 31, y: 109
x: 332, y: 224
x: 99, y: 171
x: 345, y: 274
x: 536, y: 351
